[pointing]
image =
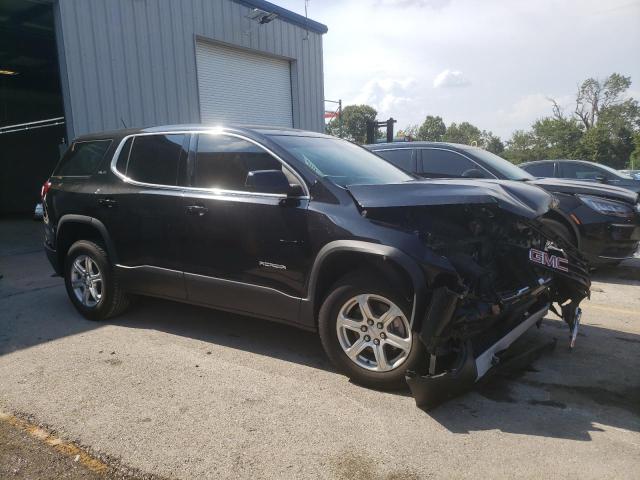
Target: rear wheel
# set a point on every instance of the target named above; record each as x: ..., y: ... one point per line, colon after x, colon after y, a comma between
x: 91, y: 283
x: 366, y: 331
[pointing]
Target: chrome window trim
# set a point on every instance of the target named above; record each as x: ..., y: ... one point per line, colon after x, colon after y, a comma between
x: 393, y: 149
x: 215, y: 191
x: 457, y: 153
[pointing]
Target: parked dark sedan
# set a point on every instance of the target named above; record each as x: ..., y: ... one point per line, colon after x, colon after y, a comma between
x: 583, y: 171
x: 602, y: 220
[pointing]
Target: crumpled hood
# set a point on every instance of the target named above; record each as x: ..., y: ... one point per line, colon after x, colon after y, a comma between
x: 518, y: 198
x: 586, y: 188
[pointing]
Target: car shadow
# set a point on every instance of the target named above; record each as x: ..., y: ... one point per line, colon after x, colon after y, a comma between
x: 230, y: 330
x: 564, y: 394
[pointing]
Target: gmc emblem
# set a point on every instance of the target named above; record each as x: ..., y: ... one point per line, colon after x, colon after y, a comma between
x: 543, y: 258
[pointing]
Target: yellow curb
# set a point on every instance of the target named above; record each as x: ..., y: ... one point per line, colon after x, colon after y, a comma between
x: 68, y: 449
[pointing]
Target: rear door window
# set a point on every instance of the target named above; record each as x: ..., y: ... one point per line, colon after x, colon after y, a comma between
x: 155, y: 159
x: 439, y: 163
x: 401, y: 158
x: 540, y: 169
x: 82, y: 158
x: 223, y: 162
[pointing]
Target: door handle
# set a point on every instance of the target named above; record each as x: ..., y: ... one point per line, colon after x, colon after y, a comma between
x: 107, y: 202
x: 285, y: 241
x: 197, y: 210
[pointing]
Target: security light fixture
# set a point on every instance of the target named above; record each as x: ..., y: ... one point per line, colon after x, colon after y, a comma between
x: 7, y: 72
x: 261, y: 16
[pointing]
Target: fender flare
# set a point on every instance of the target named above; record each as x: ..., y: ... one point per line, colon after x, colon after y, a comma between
x: 94, y: 223
x: 404, y: 261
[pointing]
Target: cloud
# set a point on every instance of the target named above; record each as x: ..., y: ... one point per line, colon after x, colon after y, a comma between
x: 635, y: 94
x: 532, y: 56
x: 386, y: 94
x: 527, y: 109
x: 450, y: 78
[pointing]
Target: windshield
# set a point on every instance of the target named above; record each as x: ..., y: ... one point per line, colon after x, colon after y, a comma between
x: 503, y: 167
x: 340, y: 161
x: 614, y: 172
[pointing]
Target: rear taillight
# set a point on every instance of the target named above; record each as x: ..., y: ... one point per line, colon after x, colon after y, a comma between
x: 45, y: 188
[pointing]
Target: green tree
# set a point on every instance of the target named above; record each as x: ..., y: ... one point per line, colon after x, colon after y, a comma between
x: 556, y: 137
x: 596, y: 96
x: 432, y: 129
x: 549, y: 138
x: 491, y: 142
x: 609, y: 120
x: 600, y: 129
x: 469, y: 134
x: 354, y: 123
x: 608, y: 143
x: 521, y: 147
x: 464, y: 133
x: 634, y: 160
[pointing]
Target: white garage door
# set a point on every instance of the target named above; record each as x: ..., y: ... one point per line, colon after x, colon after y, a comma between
x: 241, y: 87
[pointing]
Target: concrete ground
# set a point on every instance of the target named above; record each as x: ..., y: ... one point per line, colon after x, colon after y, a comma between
x: 184, y: 392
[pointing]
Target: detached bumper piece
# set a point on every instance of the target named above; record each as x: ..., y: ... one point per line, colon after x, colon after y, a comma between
x: 430, y: 391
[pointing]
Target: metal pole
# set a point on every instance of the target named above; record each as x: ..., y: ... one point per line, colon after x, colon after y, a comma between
x: 390, y: 123
x: 339, y: 102
x: 340, y: 117
x: 371, y: 131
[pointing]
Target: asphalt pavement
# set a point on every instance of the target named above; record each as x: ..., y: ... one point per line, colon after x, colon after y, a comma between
x: 184, y: 392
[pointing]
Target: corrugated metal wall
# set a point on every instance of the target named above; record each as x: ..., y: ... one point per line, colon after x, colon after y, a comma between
x: 132, y: 62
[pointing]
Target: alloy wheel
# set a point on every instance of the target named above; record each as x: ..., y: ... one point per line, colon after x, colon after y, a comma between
x: 374, y: 333
x: 86, y: 281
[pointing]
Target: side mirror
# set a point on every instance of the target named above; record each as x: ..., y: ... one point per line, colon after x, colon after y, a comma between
x: 272, y: 181
x: 473, y: 173
x: 267, y: 181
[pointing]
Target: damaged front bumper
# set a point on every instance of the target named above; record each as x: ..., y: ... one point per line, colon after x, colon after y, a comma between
x: 467, y: 338
x: 432, y: 389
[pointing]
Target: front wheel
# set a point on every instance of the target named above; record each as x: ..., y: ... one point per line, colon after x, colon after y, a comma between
x: 366, y: 332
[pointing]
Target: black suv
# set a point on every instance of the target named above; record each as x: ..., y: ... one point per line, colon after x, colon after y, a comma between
x: 423, y: 280
x: 603, y: 221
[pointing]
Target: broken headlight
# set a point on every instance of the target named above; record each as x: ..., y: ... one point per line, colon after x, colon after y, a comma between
x: 607, y: 207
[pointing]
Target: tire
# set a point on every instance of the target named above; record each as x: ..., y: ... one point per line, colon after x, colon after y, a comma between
x: 561, y: 230
x: 346, y: 296
x: 105, y: 299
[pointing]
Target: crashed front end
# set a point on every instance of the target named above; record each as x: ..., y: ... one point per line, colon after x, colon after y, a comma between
x: 499, y: 272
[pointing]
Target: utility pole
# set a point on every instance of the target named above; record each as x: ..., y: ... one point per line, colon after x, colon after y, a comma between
x: 340, y: 121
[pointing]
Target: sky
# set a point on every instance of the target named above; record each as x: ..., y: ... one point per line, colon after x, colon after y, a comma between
x: 492, y: 63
